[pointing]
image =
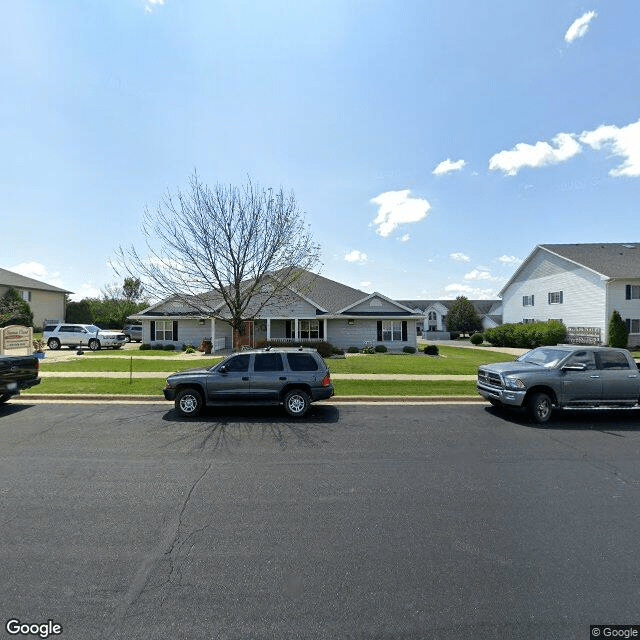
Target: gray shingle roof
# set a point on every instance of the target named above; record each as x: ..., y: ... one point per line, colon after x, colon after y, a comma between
x: 11, y: 279
x: 481, y: 306
x: 611, y: 259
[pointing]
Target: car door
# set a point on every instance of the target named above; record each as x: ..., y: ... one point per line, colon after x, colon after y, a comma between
x: 67, y: 334
x: 619, y: 379
x: 581, y: 386
x: 268, y: 377
x: 230, y: 381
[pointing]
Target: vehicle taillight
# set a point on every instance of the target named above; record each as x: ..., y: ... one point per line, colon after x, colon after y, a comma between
x: 326, y: 381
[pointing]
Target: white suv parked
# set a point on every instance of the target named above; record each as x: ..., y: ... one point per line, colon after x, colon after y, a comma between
x: 75, y: 335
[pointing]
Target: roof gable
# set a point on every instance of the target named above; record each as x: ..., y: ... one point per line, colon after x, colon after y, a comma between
x: 11, y: 279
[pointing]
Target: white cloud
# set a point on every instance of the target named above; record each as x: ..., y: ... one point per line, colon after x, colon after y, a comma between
x: 366, y: 284
x: 356, y: 256
x: 539, y: 154
x: 509, y: 260
x: 85, y: 290
x: 459, y: 257
x: 38, y: 271
x: 469, y: 292
x: 448, y: 166
x: 396, y: 208
x: 478, y: 274
x: 150, y: 5
x: 405, y: 238
x: 579, y: 27
x: 620, y: 141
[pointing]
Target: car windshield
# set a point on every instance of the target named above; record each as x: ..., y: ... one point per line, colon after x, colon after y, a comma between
x: 543, y: 356
x: 91, y: 328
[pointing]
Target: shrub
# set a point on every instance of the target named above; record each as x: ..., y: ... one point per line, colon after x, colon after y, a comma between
x: 353, y: 350
x: 323, y: 347
x: 145, y: 346
x: 409, y: 349
x: 476, y: 339
x: 432, y: 350
x: 189, y: 350
x: 526, y: 336
x: 617, y: 334
x: 380, y: 348
x: 337, y: 351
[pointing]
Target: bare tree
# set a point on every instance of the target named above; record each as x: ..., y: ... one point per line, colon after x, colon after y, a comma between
x: 226, y: 251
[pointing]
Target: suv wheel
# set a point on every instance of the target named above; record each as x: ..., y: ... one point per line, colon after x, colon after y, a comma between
x: 540, y: 407
x: 296, y: 403
x: 94, y: 344
x: 4, y: 397
x: 53, y: 344
x: 188, y: 402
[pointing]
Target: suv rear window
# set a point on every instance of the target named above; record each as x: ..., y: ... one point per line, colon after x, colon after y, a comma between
x: 268, y: 362
x: 302, y: 362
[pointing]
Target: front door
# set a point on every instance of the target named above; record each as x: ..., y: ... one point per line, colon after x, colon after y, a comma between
x: 581, y: 387
x: 230, y: 381
x: 245, y: 339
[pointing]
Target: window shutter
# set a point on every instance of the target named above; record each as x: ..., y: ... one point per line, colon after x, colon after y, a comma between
x: 153, y: 330
x: 404, y: 331
x: 628, y: 292
x: 561, y: 294
x: 532, y: 297
x: 379, y: 330
x: 175, y: 331
x: 549, y: 298
x: 524, y: 301
x: 321, y: 329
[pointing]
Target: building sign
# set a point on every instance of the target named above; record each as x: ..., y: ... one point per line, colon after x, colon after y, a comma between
x: 584, y: 335
x: 16, y: 340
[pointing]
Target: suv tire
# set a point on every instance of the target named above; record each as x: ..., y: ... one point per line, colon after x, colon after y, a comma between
x: 188, y: 402
x: 53, y: 344
x: 296, y: 403
x: 94, y: 344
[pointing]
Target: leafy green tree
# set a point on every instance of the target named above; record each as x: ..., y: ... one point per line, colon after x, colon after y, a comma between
x: 618, y: 334
x: 15, y: 310
x: 463, y: 317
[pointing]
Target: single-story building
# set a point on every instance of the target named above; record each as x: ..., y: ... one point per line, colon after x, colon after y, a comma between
x: 314, y: 309
x: 580, y: 284
x: 46, y: 301
x: 433, y: 324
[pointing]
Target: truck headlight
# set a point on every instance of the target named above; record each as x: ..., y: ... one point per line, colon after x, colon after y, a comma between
x: 513, y: 383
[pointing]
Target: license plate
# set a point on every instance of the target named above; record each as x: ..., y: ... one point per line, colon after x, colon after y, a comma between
x: 12, y: 386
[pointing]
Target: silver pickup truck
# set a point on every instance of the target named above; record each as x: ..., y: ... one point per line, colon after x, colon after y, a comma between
x: 562, y: 376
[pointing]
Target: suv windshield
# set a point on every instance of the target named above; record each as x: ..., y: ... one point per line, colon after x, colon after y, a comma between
x: 543, y: 356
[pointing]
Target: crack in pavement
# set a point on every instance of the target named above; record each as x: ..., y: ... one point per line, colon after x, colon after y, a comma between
x: 165, y: 549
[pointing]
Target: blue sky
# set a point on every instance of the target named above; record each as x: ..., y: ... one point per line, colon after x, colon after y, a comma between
x: 431, y: 144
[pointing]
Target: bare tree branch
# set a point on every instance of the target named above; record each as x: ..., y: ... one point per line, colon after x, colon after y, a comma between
x: 226, y: 251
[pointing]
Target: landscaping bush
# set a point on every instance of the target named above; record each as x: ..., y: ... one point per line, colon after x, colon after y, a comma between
x: 353, y: 350
x: 526, y: 336
x: 380, y: 348
x: 324, y: 348
x: 432, y: 350
x: 409, y: 349
x: 617, y: 334
x: 169, y: 347
x: 476, y: 339
x: 145, y: 346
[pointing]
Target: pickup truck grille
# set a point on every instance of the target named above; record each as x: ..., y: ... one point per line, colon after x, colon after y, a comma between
x: 489, y: 378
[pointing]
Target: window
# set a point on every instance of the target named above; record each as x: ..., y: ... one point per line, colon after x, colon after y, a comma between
x: 555, y: 297
x: 26, y: 296
x: 309, y: 329
x: 583, y: 357
x: 633, y: 325
x: 302, y: 362
x: 612, y: 360
x: 268, y: 362
x: 164, y: 330
x: 527, y: 301
x: 391, y: 330
x: 238, y: 364
x: 632, y: 292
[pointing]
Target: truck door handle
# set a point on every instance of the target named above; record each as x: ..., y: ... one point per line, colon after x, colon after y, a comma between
x: 283, y: 377
x: 245, y: 378
x: 594, y: 376
x: 633, y: 375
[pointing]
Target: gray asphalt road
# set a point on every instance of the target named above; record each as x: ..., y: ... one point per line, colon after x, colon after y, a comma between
x: 123, y: 522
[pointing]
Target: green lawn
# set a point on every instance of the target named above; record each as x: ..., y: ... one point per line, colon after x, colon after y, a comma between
x: 154, y: 386
x: 451, y: 361
x: 125, y: 363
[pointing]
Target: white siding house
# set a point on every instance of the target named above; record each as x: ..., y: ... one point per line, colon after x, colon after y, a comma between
x: 579, y: 284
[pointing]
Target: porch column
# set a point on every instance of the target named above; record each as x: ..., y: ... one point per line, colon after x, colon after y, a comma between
x: 324, y: 329
x: 213, y: 335
x: 295, y: 331
x: 268, y: 329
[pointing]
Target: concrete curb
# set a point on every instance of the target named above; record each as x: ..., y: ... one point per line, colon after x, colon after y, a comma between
x: 336, y: 399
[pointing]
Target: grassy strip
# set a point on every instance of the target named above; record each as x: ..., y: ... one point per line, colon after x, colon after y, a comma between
x: 83, y: 364
x: 154, y: 386
x: 452, y: 361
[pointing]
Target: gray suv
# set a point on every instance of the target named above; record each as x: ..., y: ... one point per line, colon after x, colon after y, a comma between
x: 293, y: 377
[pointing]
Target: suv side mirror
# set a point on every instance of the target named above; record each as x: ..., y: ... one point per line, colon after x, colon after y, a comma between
x: 223, y: 369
